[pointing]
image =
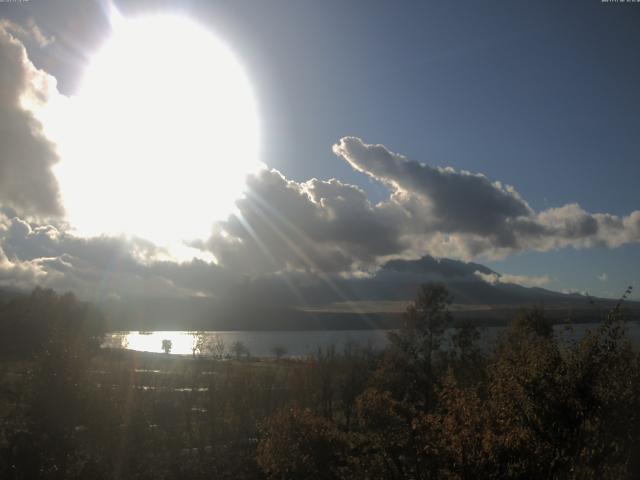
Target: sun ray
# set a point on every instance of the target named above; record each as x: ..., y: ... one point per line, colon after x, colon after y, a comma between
x: 260, y: 205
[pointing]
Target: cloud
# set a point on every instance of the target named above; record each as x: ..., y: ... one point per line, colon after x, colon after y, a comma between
x: 30, y: 32
x: 322, y: 226
x: 458, y: 213
x: 574, y: 291
x: 332, y: 227
x: 326, y: 228
x: 286, y: 234
x: 27, y: 183
x: 44, y: 254
x: 524, y: 280
x: 449, y: 201
x: 603, y: 277
x: 23, y: 275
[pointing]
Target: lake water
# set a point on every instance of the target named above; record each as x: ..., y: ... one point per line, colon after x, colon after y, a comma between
x: 294, y: 343
x: 259, y: 343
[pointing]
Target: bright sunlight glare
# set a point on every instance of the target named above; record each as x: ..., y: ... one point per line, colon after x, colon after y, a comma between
x: 163, y: 132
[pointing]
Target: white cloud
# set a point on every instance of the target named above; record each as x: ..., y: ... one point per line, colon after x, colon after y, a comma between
x: 603, y: 277
x: 448, y: 200
x: 465, y: 215
x: 329, y: 226
x: 30, y: 32
x: 44, y: 254
x: 573, y: 291
x: 20, y: 274
x: 26, y: 155
x: 524, y: 280
x: 321, y: 226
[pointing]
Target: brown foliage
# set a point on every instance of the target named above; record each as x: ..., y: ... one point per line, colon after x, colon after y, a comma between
x: 533, y: 406
x: 299, y: 445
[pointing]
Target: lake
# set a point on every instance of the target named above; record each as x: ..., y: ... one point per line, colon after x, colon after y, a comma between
x: 295, y: 343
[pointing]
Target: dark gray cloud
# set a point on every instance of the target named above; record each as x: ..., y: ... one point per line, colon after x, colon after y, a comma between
x: 98, y: 267
x: 462, y: 214
x: 26, y: 156
x: 452, y: 201
x: 332, y: 227
x: 317, y: 225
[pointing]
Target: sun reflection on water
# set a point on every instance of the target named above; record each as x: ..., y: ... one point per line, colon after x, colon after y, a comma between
x: 182, y: 343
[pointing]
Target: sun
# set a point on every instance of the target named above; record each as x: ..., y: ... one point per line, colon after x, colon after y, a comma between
x: 163, y: 132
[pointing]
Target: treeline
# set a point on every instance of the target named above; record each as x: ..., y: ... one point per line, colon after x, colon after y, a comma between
x: 29, y: 323
x: 433, y: 405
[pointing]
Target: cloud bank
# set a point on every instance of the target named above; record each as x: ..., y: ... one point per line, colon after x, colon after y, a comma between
x: 482, y: 218
x: 330, y: 226
x: 319, y: 229
x: 27, y: 183
x: 99, y: 267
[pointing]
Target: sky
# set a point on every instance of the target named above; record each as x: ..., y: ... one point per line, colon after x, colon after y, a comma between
x: 539, y: 96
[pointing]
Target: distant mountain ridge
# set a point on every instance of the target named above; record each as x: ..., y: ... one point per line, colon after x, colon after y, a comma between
x: 446, y: 267
x: 400, y: 279
x: 306, y: 301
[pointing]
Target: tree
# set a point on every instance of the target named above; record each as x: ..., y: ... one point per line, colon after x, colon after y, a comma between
x: 239, y: 349
x: 535, y: 321
x: 420, y: 336
x: 60, y: 334
x: 199, y: 343
x: 296, y: 444
x: 166, y: 346
x: 466, y: 359
x: 386, y: 442
x: 27, y: 323
x: 562, y: 410
x: 279, y: 351
x: 219, y: 348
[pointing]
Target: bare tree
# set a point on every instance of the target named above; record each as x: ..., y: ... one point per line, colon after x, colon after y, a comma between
x: 219, y: 347
x: 199, y: 343
x: 239, y: 349
x: 166, y: 346
x: 279, y: 351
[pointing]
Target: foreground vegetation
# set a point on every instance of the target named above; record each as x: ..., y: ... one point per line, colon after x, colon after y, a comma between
x: 532, y: 406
